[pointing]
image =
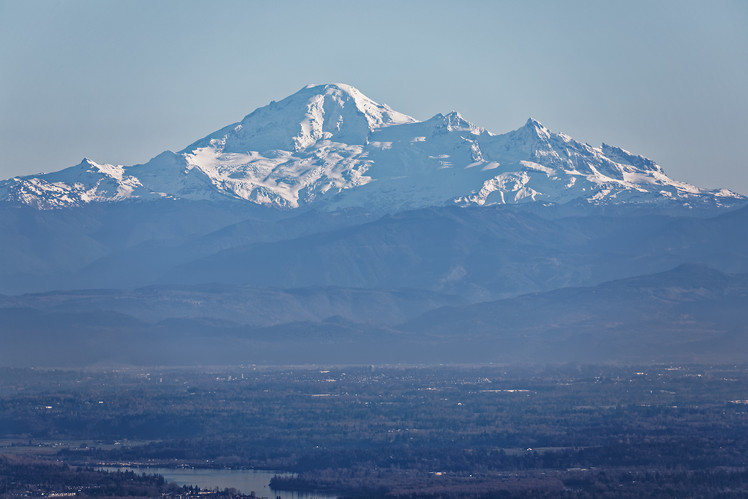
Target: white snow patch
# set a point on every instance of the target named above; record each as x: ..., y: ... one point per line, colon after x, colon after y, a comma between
x: 535, y: 166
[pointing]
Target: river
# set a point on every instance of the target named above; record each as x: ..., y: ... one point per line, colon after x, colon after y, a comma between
x: 245, y: 481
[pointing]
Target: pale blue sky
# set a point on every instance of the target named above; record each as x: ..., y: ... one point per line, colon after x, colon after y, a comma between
x: 119, y: 82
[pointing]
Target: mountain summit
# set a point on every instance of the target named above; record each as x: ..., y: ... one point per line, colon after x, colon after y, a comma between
x: 331, y: 147
x: 336, y: 112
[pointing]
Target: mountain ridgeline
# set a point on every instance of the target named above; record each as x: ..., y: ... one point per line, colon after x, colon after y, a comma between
x: 329, y: 228
x: 330, y: 147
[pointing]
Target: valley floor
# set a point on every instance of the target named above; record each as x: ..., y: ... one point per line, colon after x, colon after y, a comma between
x: 447, y: 431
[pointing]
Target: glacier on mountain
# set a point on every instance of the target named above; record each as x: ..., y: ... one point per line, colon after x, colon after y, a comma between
x: 331, y: 147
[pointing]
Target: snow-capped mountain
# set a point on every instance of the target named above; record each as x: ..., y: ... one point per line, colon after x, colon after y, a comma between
x: 332, y: 147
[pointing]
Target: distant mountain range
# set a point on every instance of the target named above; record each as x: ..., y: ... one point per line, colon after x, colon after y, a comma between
x: 689, y: 314
x: 329, y: 228
x: 330, y: 147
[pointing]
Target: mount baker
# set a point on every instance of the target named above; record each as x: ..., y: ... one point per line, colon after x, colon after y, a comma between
x: 331, y: 147
x: 327, y: 228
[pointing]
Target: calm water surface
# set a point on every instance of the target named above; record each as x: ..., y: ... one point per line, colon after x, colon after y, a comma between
x: 245, y: 481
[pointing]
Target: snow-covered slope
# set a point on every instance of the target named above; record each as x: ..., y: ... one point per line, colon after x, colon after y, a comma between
x: 332, y: 147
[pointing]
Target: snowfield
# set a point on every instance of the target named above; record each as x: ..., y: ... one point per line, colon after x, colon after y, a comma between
x: 331, y: 147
